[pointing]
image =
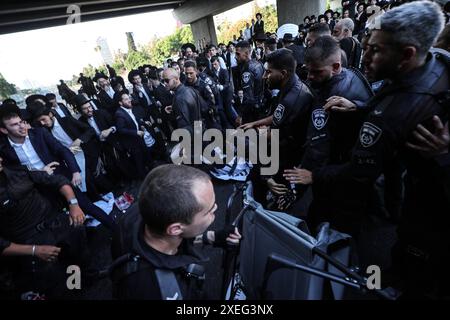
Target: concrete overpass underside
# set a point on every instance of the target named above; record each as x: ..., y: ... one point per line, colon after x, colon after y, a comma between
x: 18, y: 16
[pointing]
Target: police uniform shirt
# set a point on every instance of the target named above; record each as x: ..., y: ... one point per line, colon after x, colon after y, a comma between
x: 27, y: 155
x: 295, y: 101
x: 340, y: 128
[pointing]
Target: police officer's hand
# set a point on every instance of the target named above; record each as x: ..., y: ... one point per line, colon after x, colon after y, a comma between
x: 47, y: 253
x: 168, y: 109
x: 140, y: 133
x: 431, y: 144
x: 76, y: 215
x: 298, y: 176
x: 340, y: 104
x: 276, y: 188
x: 229, y: 235
x: 246, y: 126
x: 234, y: 238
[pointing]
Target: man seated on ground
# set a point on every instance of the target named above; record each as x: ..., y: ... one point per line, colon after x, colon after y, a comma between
x: 34, y: 228
x: 176, y: 207
x: 37, y: 149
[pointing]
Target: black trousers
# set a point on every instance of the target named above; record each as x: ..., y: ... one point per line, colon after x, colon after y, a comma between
x: 33, y: 274
x: 91, y: 209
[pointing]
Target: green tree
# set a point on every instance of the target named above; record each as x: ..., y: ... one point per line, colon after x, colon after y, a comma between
x: 89, y: 70
x: 6, y: 88
x: 226, y: 30
x: 130, y: 41
x: 161, y: 49
x: 135, y: 59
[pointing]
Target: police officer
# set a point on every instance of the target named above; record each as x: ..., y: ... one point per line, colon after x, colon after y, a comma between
x: 332, y: 135
x: 249, y: 75
x: 415, y: 80
x: 154, y: 248
x: 203, y: 84
x: 290, y: 116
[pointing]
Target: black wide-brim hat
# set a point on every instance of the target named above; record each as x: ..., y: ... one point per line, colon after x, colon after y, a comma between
x: 80, y: 99
x: 36, y: 109
x: 188, y: 45
x: 133, y: 73
x: 99, y: 75
x: 288, y: 37
x: 30, y: 99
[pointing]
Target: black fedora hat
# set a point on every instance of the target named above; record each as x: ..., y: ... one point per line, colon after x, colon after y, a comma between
x: 32, y: 98
x: 80, y: 99
x: 36, y: 109
x: 100, y: 75
x: 188, y: 45
x: 134, y: 73
x: 288, y: 37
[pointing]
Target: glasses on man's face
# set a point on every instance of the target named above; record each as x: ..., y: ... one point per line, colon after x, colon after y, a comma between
x: 166, y: 80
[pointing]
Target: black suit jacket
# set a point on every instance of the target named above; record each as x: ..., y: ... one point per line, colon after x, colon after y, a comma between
x: 223, y: 78
x: 106, y: 102
x: 139, y: 96
x: 64, y: 110
x: 258, y: 28
x: 48, y: 149
x: 126, y: 128
x: 102, y: 118
x: 76, y: 129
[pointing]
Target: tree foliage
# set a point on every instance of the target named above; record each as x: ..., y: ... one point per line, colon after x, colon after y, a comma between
x: 227, y: 30
x: 136, y: 58
x: 6, y: 88
x: 161, y: 49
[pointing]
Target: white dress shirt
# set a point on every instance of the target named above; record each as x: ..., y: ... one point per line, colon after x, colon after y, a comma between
x: 27, y: 155
x: 94, y: 106
x: 110, y: 91
x: 233, y: 61
x: 60, y: 135
x: 94, y: 125
x: 59, y: 111
x: 141, y: 89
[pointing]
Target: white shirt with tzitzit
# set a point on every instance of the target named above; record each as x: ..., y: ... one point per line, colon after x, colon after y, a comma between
x: 27, y: 155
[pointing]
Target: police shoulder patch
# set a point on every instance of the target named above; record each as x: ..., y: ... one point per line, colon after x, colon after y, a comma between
x: 319, y: 118
x: 279, y: 112
x: 208, y: 81
x: 246, y: 77
x: 369, y: 134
